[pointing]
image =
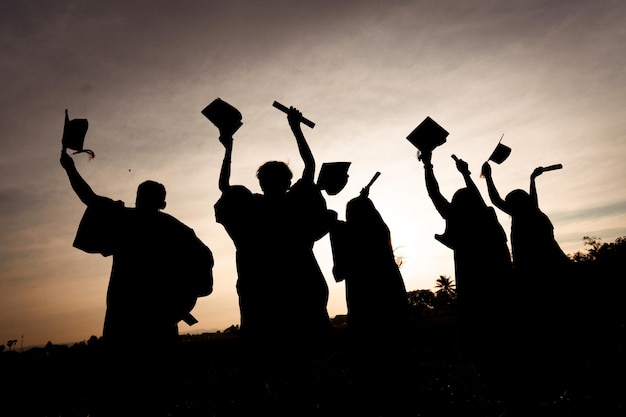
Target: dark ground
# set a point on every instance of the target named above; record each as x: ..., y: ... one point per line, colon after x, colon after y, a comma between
x: 63, y: 380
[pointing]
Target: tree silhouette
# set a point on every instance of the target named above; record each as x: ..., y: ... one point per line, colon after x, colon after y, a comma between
x: 425, y: 303
x: 445, y: 294
x: 421, y: 302
x: 603, y: 260
x: 93, y: 341
x: 445, y: 287
x: 606, y: 313
x: 598, y: 251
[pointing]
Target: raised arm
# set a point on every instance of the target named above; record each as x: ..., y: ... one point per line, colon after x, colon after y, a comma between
x: 226, y: 138
x: 494, y: 196
x: 441, y: 204
x: 463, y: 168
x: 533, y: 188
x: 79, y: 185
x: 295, y: 117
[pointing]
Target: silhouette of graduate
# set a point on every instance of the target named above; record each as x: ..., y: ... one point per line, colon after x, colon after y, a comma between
x: 159, y: 268
x: 532, y: 234
x: 544, y: 304
x: 376, y: 299
x: 483, y: 272
x: 282, y: 291
x: 364, y: 258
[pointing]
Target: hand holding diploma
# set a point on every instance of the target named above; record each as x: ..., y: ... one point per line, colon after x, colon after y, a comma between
x: 285, y: 109
x: 540, y: 170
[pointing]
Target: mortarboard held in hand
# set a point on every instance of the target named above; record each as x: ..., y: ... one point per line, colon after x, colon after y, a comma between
x: 333, y: 177
x: 223, y: 115
x: 74, y: 132
x: 499, y: 154
x: 427, y: 136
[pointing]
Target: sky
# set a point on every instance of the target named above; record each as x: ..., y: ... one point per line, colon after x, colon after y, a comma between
x: 545, y: 76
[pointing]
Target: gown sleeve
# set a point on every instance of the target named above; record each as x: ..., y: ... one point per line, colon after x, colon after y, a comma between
x: 100, y: 226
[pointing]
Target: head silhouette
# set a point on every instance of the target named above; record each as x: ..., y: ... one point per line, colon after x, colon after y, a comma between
x: 360, y: 211
x: 466, y: 201
x: 150, y: 196
x: 274, y: 178
x: 518, y: 200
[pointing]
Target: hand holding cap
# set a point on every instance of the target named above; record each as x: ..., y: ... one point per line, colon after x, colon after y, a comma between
x: 66, y: 160
x: 426, y: 158
x: 74, y: 132
x: 485, y: 170
x: 224, y: 116
x: 427, y: 136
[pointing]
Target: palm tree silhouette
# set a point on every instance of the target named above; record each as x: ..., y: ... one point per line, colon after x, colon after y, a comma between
x: 445, y: 294
x: 11, y: 343
x: 445, y: 287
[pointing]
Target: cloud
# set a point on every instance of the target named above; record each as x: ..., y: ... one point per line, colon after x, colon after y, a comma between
x: 590, y: 212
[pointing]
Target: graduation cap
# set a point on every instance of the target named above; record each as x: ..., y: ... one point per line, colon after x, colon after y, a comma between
x: 427, y: 135
x: 74, y: 132
x: 223, y: 115
x: 500, y: 153
x: 333, y: 177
